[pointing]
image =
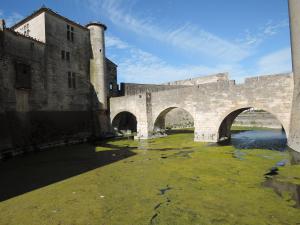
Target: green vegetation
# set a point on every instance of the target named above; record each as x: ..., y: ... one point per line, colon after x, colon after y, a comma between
x: 170, y: 180
x: 245, y: 128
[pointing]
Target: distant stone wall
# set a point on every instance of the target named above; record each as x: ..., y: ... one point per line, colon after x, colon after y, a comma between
x: 257, y: 119
x: 179, y: 118
x: 134, y: 89
x: 201, y: 80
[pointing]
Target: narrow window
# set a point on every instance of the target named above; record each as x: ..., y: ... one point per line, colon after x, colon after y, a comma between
x: 23, y: 76
x: 72, y: 34
x: 110, y: 86
x: 73, y: 80
x: 68, y: 56
x: 69, y: 80
x: 62, y: 54
x: 68, y: 32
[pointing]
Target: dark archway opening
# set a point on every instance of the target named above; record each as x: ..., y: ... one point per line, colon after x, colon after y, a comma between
x: 125, y: 123
x: 174, y: 120
x: 250, y: 128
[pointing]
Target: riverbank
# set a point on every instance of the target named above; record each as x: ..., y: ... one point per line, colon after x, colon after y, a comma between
x: 170, y: 180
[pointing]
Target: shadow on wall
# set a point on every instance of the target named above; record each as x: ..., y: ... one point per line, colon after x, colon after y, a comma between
x: 36, y: 170
x: 26, y: 131
x: 125, y: 121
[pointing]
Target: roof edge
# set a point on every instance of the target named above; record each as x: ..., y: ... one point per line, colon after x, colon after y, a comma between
x: 44, y: 9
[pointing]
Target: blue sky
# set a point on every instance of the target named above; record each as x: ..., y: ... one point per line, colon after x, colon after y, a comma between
x: 157, y: 41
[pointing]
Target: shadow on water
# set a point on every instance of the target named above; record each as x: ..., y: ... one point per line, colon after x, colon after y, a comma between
x: 259, y: 139
x: 36, y: 170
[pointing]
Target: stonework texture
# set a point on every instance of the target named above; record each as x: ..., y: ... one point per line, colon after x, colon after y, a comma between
x: 48, y: 94
x: 213, y: 106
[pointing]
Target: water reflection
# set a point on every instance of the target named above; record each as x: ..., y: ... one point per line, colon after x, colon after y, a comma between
x: 260, y: 139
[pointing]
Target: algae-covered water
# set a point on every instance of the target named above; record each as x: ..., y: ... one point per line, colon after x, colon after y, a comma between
x: 166, y: 181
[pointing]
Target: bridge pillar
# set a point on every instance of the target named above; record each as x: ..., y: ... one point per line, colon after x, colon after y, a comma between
x: 144, y: 125
x: 205, y: 129
x: 294, y: 135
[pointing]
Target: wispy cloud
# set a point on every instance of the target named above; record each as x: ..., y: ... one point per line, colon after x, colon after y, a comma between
x: 115, y: 42
x: 254, y: 38
x: 143, y: 67
x: 136, y: 65
x: 199, y: 40
x: 276, y: 62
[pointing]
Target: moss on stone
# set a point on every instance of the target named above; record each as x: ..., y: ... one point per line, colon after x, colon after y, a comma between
x: 170, y: 180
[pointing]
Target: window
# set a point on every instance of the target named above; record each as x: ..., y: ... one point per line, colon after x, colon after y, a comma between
x: 25, y: 29
x: 71, y: 80
x: 68, y: 56
x: 62, y: 54
x: 110, y: 86
x: 23, y: 76
x: 70, y: 33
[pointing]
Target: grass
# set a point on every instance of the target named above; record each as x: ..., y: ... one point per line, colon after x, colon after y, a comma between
x: 167, y: 181
x: 245, y: 128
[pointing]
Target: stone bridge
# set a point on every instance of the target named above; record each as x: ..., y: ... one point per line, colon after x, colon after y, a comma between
x: 214, y: 104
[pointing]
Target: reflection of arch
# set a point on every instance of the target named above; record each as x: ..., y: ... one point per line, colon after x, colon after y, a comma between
x: 125, y: 121
x: 224, y: 132
x: 160, y: 121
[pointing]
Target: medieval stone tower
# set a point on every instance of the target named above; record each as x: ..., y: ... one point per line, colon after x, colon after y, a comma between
x: 294, y: 139
x: 97, y: 63
x: 98, y: 76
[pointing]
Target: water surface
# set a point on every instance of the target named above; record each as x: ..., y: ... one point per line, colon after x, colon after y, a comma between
x: 259, y: 139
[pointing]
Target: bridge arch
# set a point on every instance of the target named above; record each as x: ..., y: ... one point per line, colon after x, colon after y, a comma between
x: 160, y: 119
x: 124, y: 121
x: 226, y: 120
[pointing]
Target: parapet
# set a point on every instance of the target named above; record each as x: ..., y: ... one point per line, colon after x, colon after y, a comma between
x: 201, y: 80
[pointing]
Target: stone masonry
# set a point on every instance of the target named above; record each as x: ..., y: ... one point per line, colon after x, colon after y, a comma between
x: 54, y: 82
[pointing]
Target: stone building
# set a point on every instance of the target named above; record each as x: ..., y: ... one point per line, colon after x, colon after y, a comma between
x: 54, y: 82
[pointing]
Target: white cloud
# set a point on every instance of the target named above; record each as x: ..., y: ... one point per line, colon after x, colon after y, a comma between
x: 276, y: 62
x: 187, y: 37
x: 255, y: 38
x: 114, y: 42
x: 143, y: 67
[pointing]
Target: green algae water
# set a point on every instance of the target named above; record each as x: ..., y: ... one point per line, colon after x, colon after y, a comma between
x: 166, y: 181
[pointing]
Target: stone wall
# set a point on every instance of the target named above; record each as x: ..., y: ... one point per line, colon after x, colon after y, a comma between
x: 39, y: 105
x: 214, y: 106
x: 201, y: 80
x: 134, y: 89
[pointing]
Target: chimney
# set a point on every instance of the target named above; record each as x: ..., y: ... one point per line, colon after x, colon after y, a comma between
x: 2, y: 24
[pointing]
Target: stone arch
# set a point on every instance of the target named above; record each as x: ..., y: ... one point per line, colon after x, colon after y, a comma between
x: 124, y: 121
x: 160, y: 120
x: 226, y: 120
